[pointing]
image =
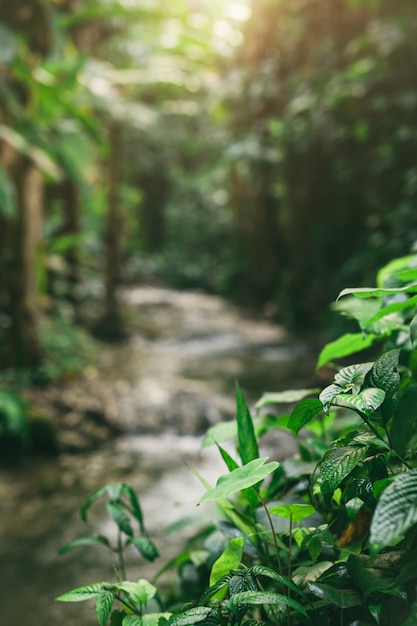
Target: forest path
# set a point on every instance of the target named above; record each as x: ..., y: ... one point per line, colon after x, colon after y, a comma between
x: 171, y: 380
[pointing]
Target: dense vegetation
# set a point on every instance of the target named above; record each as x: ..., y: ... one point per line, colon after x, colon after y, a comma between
x: 327, y: 537
x: 242, y: 149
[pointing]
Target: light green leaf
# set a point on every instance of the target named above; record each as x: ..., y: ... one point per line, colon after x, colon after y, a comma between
x: 394, y: 266
x: 395, y: 307
x: 338, y: 464
x: 396, y: 511
x: 223, y: 431
x: 241, y: 478
x: 347, y: 344
x: 376, y: 292
x: 302, y: 413
x: 296, y: 512
x: 265, y: 597
x: 84, y: 593
x: 284, y: 397
x: 228, y: 560
x: 367, y: 401
x: 352, y: 375
x: 246, y: 439
x: 328, y: 395
x: 132, y: 620
x: 104, y: 604
x: 343, y: 598
x: 140, y: 592
x: 155, y: 619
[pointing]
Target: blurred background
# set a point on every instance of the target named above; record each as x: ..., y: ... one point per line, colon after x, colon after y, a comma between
x: 185, y: 187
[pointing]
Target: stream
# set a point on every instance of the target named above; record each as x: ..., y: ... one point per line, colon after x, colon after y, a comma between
x: 161, y: 390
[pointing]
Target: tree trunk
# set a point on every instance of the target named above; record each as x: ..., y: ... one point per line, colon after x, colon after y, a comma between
x: 110, y: 326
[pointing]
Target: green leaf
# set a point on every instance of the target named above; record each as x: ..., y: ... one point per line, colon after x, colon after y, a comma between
x: 90, y: 500
x: 241, y: 478
x: 366, y: 402
x: 265, y: 597
x: 84, y: 541
x: 395, y: 512
x: 296, y: 512
x: 155, y: 619
x: 413, y: 331
x: 114, y: 491
x: 403, y: 426
x: 343, y: 598
x: 146, y: 547
x: 336, y: 465
x: 223, y: 431
x: 284, y: 397
x: 84, y: 593
x: 117, y: 618
x: 134, y: 500
x: 388, y: 310
x: 347, y: 344
x: 262, y: 570
x: 104, y: 604
x: 119, y: 515
x: 377, y: 292
x: 246, y: 439
x: 303, y: 413
x: 352, y: 375
x: 393, y: 267
x: 328, y: 395
x: 228, y: 560
x: 140, y: 592
x: 383, y: 373
x: 376, y: 573
x: 132, y: 620
x: 227, y: 458
x: 192, y: 616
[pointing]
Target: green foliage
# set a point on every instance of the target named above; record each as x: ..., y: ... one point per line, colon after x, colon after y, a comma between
x: 326, y: 537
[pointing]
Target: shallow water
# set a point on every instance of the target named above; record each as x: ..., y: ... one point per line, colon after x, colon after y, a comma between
x: 173, y: 378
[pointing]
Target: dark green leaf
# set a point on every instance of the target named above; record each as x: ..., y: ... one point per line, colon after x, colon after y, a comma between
x: 338, y: 464
x: 376, y: 573
x: 404, y: 423
x: 303, y: 413
x: 343, y: 598
x: 134, y: 500
x: 90, y: 500
x: 246, y: 439
x: 413, y: 331
x: 8, y: 202
x: 383, y: 374
x: 265, y: 597
x: 117, y: 618
x: 145, y: 546
x: 84, y: 593
x: 84, y: 541
x: 119, y: 515
x: 262, y: 570
x: 104, y: 604
x: 396, y: 511
x: 193, y: 616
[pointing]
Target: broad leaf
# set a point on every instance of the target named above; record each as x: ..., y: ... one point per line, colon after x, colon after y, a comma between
x: 193, y: 616
x: 395, y: 307
x: 366, y: 402
x: 303, y: 413
x: 145, y: 546
x: 352, y: 375
x: 284, y: 397
x: 343, y: 598
x: 155, y: 619
x: 132, y: 620
x: 265, y: 597
x: 246, y: 439
x: 84, y: 593
x: 295, y: 512
x: 396, y: 511
x: 376, y: 292
x: 140, y: 592
x: 347, y: 344
x: 241, y: 478
x: 383, y: 373
x: 328, y: 395
x: 338, y: 464
x: 228, y: 560
x: 376, y: 573
x: 119, y: 515
x: 104, y: 604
